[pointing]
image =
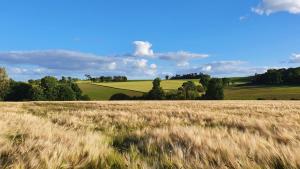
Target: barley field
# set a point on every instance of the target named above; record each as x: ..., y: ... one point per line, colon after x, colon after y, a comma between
x: 165, y: 134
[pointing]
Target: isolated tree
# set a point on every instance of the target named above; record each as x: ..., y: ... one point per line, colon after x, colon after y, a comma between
x: 156, y: 93
x: 167, y: 77
x: 4, y: 83
x: 204, y: 80
x: 88, y: 77
x: 215, y: 90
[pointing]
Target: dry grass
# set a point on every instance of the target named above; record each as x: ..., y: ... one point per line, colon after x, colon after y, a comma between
x: 208, y: 134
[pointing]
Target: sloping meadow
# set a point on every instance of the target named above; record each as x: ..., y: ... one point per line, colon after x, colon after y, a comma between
x: 157, y: 134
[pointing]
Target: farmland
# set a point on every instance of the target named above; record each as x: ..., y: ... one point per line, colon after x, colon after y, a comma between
x: 262, y: 92
x: 188, y: 134
x: 146, y: 85
x: 97, y: 92
x: 103, y: 91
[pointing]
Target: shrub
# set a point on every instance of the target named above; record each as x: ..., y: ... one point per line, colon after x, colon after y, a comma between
x: 19, y: 91
x: 64, y: 93
x: 85, y: 98
x: 120, y: 96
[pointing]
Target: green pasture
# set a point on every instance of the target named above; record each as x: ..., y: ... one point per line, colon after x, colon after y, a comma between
x: 262, y: 92
x: 96, y: 92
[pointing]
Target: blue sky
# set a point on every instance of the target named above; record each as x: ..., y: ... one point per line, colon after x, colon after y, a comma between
x: 146, y: 39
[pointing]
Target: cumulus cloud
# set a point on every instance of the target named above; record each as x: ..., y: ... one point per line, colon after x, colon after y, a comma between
x: 143, y: 48
x: 295, y: 58
x: 268, y: 7
x: 65, y: 62
x: 56, y: 59
x: 140, y: 66
x: 181, y: 57
x: 228, y: 68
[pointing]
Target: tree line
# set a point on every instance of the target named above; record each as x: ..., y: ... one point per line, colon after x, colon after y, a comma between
x: 106, y: 78
x: 46, y: 89
x: 209, y: 89
x: 289, y: 76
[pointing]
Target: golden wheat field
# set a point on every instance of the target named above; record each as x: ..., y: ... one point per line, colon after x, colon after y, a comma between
x: 168, y: 134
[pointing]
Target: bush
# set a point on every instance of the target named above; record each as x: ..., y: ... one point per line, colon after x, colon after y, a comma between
x: 19, y: 91
x: 85, y: 98
x: 64, y: 93
x: 120, y: 96
x: 37, y: 93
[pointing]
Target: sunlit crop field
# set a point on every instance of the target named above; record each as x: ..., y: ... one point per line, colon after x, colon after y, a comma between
x: 191, y: 134
x: 145, y: 86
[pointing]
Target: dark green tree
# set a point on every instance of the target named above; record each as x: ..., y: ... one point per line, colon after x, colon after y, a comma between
x: 77, y: 90
x: 204, y: 80
x: 49, y: 84
x: 120, y: 96
x: 64, y: 92
x: 4, y: 83
x: 215, y: 90
x: 19, y: 91
x: 37, y: 93
x: 189, y: 90
x: 226, y: 81
x: 156, y: 93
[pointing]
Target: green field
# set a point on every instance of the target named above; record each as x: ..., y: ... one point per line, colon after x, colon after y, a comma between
x: 103, y: 91
x: 262, y: 92
x: 145, y: 86
x: 96, y: 92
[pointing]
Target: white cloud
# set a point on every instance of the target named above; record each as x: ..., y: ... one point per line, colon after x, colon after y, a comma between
x: 242, y: 18
x: 181, y: 55
x: 24, y: 64
x: 56, y: 59
x: 295, y: 58
x: 112, y: 66
x: 153, y: 66
x: 224, y: 68
x: 268, y: 7
x: 140, y: 67
x: 143, y: 48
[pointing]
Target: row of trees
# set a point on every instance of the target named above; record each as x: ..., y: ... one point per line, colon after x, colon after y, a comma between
x: 278, y: 76
x: 48, y: 88
x: 210, y: 89
x: 106, y: 78
x: 185, y: 76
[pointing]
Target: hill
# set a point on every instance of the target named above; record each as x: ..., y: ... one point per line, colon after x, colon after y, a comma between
x: 97, y: 92
x: 145, y: 85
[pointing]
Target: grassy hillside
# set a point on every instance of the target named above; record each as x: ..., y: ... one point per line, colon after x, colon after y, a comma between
x: 262, y: 92
x: 145, y: 86
x: 191, y: 134
x: 96, y: 92
x: 103, y: 91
